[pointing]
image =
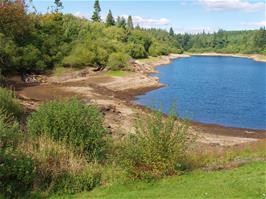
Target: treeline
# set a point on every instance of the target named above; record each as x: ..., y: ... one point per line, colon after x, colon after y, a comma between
x: 33, y: 42
x: 246, y: 41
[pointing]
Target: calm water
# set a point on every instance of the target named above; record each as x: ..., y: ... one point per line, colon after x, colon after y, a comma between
x: 229, y: 91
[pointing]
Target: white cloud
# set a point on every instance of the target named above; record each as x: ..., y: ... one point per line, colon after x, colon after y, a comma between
x: 81, y: 15
x: 219, y: 5
x: 195, y: 30
x: 137, y: 20
x: 255, y: 24
x: 149, y: 22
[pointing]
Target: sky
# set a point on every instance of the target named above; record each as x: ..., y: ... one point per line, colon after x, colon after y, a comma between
x: 190, y: 16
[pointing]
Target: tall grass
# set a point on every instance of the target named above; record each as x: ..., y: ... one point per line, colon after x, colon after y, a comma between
x: 59, y: 168
x: 10, y: 134
x: 9, y: 103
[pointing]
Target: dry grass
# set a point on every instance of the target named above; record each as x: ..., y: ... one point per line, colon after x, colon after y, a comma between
x: 53, y: 157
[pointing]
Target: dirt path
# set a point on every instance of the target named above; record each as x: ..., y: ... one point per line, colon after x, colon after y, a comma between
x: 114, y: 96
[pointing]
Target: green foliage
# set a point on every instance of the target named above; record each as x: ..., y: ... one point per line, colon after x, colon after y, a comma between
x: 157, y: 49
x: 80, y: 182
x: 7, y: 53
x: 110, y: 19
x: 30, y: 57
x: 58, y: 167
x: 130, y: 22
x: 53, y: 39
x: 72, y: 122
x: 80, y: 56
x: 12, y: 15
x: 10, y: 135
x: 121, y: 22
x: 9, y: 103
x: 58, y: 4
x: 118, y: 61
x: 247, y: 41
x: 96, y: 14
x: 141, y: 37
x: 17, y: 173
x: 171, y: 32
x: 157, y: 148
x: 136, y: 51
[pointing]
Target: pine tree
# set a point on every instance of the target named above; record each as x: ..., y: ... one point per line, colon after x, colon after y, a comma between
x: 130, y: 22
x: 171, y: 32
x: 137, y: 27
x: 96, y: 14
x: 121, y: 22
x: 58, y: 5
x: 110, y: 19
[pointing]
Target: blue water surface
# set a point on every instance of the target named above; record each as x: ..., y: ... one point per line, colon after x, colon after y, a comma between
x: 229, y: 91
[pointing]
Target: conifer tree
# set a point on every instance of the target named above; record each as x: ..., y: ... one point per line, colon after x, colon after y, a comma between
x: 110, y: 19
x: 96, y: 14
x: 130, y: 22
x: 171, y: 32
x: 121, y: 22
x: 58, y: 5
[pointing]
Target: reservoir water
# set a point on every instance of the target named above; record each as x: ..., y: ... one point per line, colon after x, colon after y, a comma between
x: 228, y: 91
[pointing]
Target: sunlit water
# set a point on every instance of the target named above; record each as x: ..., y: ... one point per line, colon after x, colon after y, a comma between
x: 229, y: 91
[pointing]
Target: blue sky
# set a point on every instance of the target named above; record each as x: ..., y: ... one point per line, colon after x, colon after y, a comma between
x: 183, y: 15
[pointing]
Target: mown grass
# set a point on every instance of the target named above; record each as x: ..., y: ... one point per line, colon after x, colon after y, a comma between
x: 245, y: 182
x: 117, y: 73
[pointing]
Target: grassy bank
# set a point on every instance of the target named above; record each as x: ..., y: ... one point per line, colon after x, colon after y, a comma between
x: 248, y: 181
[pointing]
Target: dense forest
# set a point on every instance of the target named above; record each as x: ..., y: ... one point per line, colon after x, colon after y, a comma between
x: 45, y: 41
x: 246, y: 42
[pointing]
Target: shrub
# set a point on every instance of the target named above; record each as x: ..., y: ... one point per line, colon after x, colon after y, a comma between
x: 9, y: 104
x: 74, y: 183
x: 118, y: 61
x: 17, y: 173
x: 9, y: 132
x: 77, y: 125
x: 157, y: 148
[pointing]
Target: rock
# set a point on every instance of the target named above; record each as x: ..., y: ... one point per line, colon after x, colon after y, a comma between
x: 32, y: 78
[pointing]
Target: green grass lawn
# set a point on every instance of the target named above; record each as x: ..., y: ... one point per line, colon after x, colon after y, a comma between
x: 246, y: 182
x: 117, y: 73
